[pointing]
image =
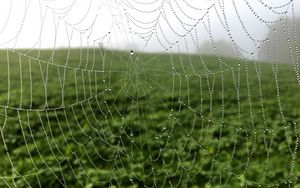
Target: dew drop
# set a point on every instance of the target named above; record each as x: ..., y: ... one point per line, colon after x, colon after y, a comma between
x: 131, y: 52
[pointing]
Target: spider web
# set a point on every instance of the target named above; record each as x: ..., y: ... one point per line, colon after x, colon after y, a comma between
x: 155, y: 93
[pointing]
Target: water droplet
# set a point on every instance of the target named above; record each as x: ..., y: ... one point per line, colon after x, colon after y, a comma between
x: 131, y: 52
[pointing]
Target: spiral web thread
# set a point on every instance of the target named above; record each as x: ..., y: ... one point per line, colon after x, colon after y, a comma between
x: 86, y: 115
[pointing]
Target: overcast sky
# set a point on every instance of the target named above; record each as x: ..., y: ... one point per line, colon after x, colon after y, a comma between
x: 144, y: 25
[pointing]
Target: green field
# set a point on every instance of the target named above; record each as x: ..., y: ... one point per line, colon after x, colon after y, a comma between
x: 102, y: 118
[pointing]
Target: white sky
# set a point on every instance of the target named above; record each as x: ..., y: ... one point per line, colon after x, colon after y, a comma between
x: 113, y: 23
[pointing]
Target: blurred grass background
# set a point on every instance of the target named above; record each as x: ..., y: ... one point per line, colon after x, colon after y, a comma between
x: 102, y: 118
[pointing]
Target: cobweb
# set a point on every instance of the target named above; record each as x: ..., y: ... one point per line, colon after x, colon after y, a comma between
x: 156, y: 93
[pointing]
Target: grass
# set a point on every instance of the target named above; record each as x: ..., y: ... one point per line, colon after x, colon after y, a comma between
x: 101, y: 118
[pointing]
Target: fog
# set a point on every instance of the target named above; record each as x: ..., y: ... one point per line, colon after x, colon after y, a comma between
x: 283, y: 42
x: 228, y: 27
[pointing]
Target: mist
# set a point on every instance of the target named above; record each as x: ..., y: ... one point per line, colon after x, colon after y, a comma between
x: 233, y: 28
x: 283, y: 42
